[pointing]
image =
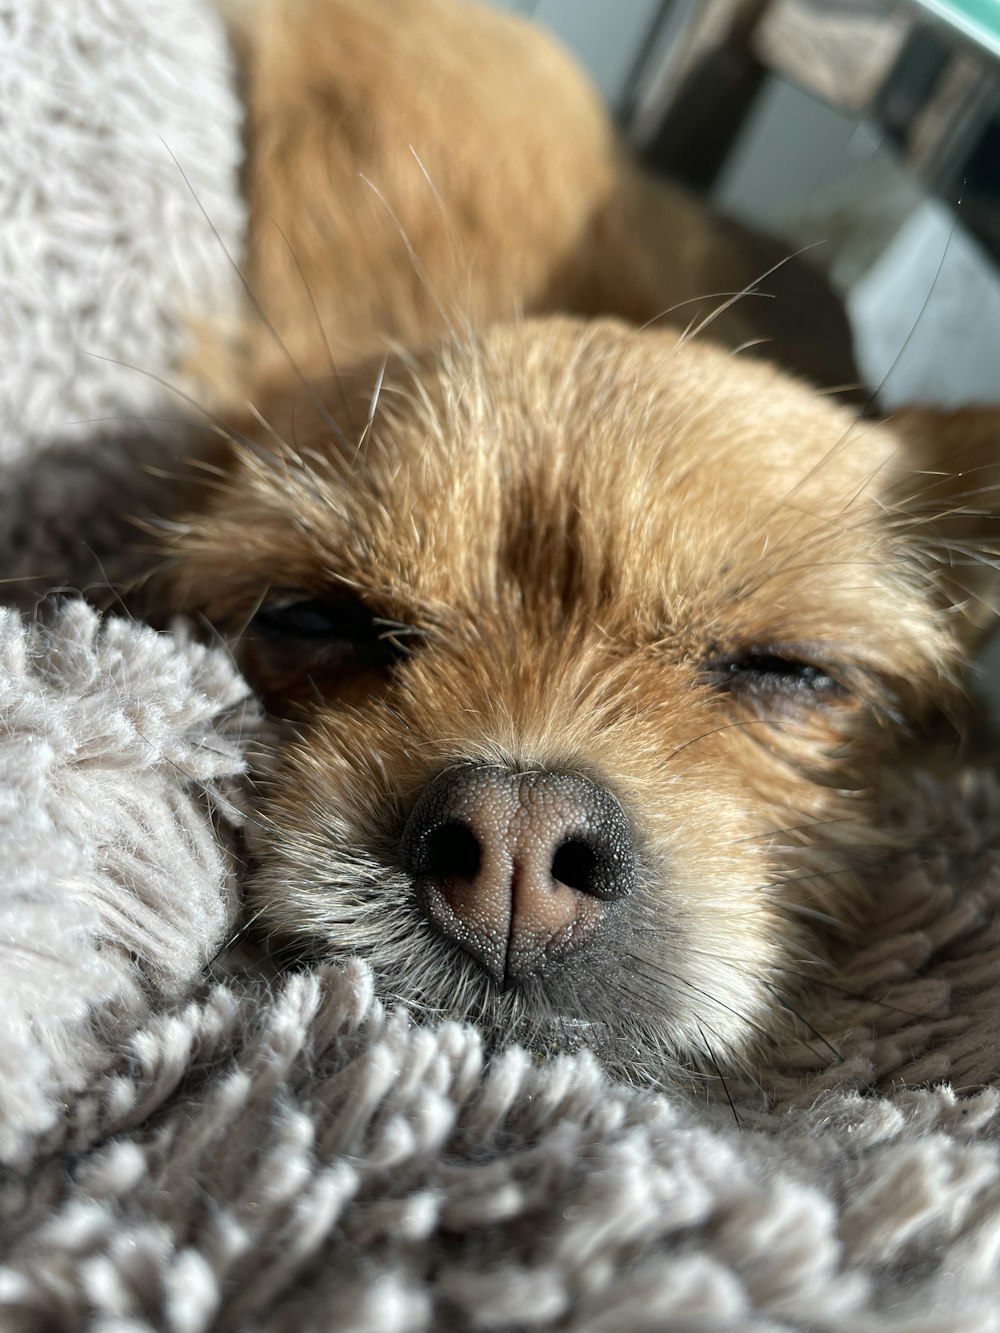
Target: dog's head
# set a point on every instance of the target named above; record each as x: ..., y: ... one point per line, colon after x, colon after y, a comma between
x: 589, y: 641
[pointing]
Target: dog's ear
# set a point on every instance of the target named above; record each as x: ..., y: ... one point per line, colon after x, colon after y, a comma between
x: 946, y: 492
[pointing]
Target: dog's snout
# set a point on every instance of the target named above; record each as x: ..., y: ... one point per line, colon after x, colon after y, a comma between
x: 518, y: 869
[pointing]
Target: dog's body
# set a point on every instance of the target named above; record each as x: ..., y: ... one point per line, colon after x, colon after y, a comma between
x: 421, y: 165
x: 592, y: 638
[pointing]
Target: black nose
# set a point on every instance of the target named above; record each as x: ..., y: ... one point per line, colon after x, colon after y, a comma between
x: 519, y: 869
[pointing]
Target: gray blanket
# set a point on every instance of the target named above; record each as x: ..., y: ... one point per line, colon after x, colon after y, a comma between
x: 190, y: 1145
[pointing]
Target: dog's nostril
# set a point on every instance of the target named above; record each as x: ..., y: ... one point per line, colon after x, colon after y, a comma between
x: 574, y: 864
x: 452, y: 851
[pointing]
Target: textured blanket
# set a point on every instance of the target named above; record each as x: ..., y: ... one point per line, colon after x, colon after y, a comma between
x: 187, y: 1144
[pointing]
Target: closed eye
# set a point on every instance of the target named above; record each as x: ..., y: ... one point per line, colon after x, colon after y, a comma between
x: 764, y: 672
x: 343, y: 627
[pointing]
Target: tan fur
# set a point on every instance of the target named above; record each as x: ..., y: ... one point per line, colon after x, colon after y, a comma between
x: 417, y: 166
x: 576, y: 527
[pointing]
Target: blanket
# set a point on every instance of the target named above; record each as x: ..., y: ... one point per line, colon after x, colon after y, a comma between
x: 189, y: 1142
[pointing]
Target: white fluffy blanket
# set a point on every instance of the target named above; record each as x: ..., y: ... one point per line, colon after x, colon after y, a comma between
x: 186, y: 1147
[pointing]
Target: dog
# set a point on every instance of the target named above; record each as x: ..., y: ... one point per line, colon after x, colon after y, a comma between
x: 589, y: 640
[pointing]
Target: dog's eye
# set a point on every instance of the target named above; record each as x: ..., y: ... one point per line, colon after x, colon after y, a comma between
x: 767, y: 673
x: 314, y: 619
x: 343, y: 625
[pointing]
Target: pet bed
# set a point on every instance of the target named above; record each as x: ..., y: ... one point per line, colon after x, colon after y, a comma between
x: 189, y: 1146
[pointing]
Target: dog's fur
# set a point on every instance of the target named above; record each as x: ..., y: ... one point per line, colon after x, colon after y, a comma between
x: 595, y: 548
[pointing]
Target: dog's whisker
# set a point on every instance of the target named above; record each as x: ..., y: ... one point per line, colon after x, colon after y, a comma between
x: 749, y: 290
x: 317, y: 317
x: 257, y: 306
x: 418, y: 266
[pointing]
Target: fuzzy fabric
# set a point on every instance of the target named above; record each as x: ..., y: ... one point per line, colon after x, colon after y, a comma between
x: 188, y: 1144
x: 119, y: 139
x: 119, y: 746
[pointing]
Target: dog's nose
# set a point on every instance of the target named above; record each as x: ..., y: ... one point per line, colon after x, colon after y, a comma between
x: 519, y: 869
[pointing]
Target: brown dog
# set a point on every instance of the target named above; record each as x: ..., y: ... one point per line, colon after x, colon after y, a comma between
x: 591, y: 639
